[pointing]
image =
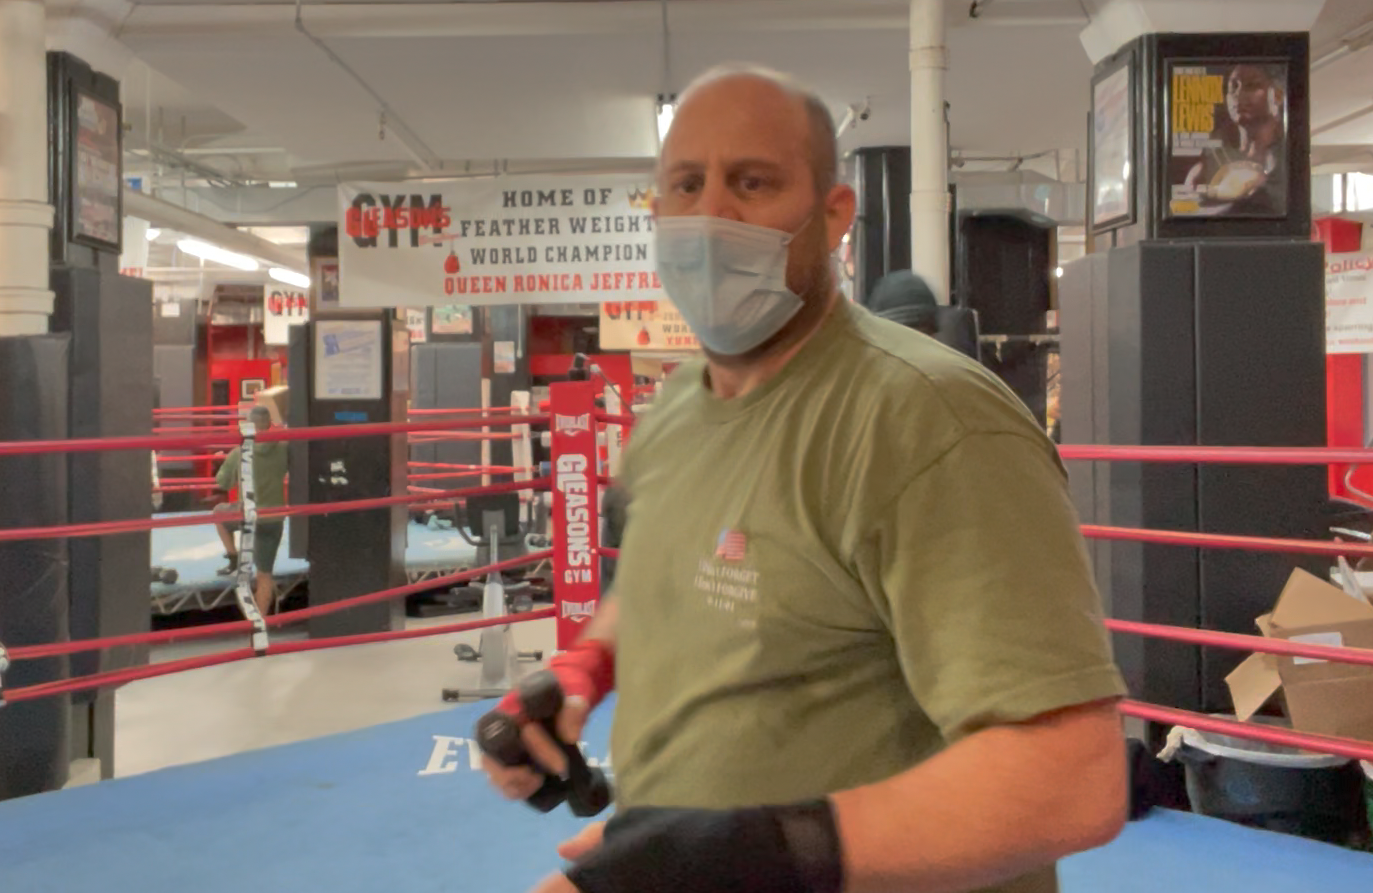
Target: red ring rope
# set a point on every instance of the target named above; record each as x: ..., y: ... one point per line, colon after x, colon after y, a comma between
x: 442, y: 411
x: 57, y: 649
x: 1220, y: 541
x: 1340, y: 747
x: 446, y: 475
x: 191, y: 441
x: 136, y: 525
x: 1218, y: 455
x: 134, y: 674
x: 1239, y: 642
x: 452, y: 467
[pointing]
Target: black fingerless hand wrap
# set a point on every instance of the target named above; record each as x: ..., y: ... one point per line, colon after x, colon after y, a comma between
x: 780, y: 849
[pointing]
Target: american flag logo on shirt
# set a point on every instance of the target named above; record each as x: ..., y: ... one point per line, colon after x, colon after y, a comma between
x: 730, y: 546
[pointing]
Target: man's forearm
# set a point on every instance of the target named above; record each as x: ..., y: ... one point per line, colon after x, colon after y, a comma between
x: 602, y: 625
x: 991, y: 808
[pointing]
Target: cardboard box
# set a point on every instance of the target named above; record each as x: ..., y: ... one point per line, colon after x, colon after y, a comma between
x: 277, y: 400
x: 1322, y: 697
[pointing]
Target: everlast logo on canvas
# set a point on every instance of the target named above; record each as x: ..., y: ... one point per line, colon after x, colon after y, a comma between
x: 372, y: 215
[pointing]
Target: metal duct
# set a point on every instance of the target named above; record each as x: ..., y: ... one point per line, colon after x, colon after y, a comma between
x: 175, y: 217
x: 1063, y: 203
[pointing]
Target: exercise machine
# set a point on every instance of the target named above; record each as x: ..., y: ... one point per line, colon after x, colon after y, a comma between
x: 499, y: 517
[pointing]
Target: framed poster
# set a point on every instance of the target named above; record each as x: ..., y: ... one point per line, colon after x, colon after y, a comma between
x: 1226, y: 154
x: 97, y: 201
x: 452, y: 319
x: 325, y: 279
x: 348, y: 359
x: 1113, y: 141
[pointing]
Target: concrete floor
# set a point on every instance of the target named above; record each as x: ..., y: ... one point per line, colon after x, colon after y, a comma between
x: 252, y: 704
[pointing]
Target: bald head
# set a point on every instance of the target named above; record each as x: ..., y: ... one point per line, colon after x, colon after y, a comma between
x: 261, y: 417
x: 752, y: 146
x: 746, y: 84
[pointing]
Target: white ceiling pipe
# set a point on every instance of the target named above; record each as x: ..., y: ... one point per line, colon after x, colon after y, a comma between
x: 197, y: 226
x: 392, y: 20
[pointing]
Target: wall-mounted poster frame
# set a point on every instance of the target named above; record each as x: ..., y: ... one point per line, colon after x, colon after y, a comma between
x: 1114, y: 165
x: 95, y: 189
x: 324, y: 282
x: 1227, y: 138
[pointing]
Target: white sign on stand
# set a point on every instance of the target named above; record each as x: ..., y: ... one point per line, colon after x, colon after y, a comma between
x: 348, y: 360
x: 1349, y: 303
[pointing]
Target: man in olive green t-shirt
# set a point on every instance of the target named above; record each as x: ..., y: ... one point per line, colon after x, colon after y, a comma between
x: 853, y: 631
x: 269, y: 491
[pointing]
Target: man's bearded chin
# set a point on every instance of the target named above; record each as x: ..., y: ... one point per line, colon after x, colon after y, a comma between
x: 810, y: 271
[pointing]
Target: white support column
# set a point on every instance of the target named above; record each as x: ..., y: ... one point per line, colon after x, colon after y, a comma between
x: 25, y: 215
x: 929, y: 147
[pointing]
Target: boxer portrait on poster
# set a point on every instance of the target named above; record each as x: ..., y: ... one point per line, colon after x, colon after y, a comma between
x: 1228, y: 140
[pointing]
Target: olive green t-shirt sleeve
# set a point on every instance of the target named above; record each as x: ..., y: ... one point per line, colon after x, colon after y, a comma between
x: 979, y: 568
x: 227, y: 476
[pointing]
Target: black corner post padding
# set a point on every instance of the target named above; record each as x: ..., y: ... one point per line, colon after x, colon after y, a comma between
x: 34, y: 746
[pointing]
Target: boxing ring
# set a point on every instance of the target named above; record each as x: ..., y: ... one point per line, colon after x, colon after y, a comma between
x: 196, y: 554
x: 400, y: 806
x: 405, y: 804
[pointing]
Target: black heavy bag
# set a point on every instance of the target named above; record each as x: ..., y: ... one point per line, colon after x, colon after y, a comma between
x: 34, y: 745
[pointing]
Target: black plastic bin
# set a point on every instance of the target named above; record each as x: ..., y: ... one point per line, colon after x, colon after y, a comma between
x: 1275, y: 788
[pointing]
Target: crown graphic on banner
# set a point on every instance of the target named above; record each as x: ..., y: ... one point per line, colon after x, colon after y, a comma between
x: 640, y: 198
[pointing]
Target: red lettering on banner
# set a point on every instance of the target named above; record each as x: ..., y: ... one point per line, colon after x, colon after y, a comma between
x: 624, y: 281
x: 633, y: 310
x: 475, y: 285
x: 362, y: 224
x: 548, y: 282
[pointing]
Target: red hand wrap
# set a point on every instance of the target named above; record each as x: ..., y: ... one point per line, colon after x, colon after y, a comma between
x: 586, y: 671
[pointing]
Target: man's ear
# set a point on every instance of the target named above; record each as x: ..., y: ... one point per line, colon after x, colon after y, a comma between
x: 653, y: 206
x: 841, y: 205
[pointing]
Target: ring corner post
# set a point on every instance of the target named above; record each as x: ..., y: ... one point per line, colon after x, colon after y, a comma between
x: 576, y: 506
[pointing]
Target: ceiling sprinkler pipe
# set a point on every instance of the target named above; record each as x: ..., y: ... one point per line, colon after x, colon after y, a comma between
x: 416, y: 147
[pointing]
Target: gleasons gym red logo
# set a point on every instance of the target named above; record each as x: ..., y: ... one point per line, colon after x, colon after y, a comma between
x: 571, y: 480
x: 571, y: 424
x: 372, y: 218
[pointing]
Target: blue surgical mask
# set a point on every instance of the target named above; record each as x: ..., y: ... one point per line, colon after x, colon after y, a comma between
x: 727, y: 279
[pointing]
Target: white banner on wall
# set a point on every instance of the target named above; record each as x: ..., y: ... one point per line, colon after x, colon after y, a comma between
x: 134, y: 259
x: 1349, y: 303
x: 645, y: 326
x: 506, y: 240
x: 282, y: 307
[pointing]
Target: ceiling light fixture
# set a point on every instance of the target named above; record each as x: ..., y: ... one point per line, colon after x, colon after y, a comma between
x: 667, y: 105
x: 290, y: 277
x: 214, y: 253
x: 153, y: 233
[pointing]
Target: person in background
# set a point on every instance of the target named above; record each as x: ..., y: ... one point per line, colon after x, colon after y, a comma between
x: 269, y: 480
x: 905, y: 298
